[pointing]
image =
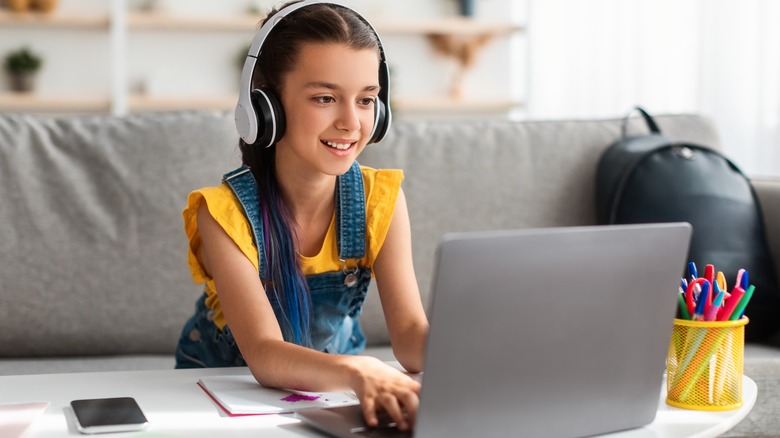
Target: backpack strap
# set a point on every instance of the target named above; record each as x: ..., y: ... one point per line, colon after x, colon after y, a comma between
x: 648, y: 120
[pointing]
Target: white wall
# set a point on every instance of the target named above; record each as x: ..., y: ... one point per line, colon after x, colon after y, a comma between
x: 718, y: 58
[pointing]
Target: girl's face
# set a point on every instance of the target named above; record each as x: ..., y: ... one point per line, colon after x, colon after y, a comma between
x: 328, y: 101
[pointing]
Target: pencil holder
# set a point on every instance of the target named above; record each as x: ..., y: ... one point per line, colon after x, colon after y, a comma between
x: 705, y: 364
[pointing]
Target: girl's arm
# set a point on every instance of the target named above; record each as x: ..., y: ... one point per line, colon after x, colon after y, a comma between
x: 277, y: 363
x: 399, y: 293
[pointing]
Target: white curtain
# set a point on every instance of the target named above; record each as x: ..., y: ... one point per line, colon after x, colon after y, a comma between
x: 718, y: 58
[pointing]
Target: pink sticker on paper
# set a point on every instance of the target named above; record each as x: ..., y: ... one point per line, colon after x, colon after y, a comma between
x: 294, y: 398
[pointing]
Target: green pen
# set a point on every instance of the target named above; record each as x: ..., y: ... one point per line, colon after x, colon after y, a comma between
x: 743, y: 302
x: 684, y: 313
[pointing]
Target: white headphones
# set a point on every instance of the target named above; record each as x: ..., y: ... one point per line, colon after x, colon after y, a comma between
x: 259, y: 113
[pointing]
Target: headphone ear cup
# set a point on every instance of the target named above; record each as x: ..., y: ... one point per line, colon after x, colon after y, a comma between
x: 381, y: 121
x: 270, y: 117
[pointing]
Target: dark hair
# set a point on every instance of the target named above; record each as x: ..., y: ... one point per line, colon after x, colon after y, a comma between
x: 317, y: 23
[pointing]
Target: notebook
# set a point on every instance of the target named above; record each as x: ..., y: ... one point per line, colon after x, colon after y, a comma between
x: 543, y: 332
x: 241, y: 395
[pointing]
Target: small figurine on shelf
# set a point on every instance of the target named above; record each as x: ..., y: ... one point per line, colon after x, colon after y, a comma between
x: 21, y: 65
x: 44, y: 6
x: 17, y: 5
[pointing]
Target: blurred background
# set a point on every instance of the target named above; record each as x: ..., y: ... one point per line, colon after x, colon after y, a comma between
x: 519, y: 59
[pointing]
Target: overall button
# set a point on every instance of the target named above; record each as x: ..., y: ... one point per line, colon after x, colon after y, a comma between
x: 194, y: 335
x: 210, y: 315
x: 350, y: 280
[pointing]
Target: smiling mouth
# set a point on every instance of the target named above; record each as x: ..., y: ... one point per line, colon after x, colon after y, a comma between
x: 339, y: 146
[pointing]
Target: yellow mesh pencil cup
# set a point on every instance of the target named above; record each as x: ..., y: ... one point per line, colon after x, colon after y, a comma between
x: 705, y: 364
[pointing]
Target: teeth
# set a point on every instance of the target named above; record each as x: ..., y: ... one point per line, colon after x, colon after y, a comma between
x: 338, y: 146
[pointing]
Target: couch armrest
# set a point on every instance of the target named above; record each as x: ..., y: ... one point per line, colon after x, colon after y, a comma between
x: 768, y: 191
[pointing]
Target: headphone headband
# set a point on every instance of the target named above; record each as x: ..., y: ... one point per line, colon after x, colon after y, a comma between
x: 247, y: 116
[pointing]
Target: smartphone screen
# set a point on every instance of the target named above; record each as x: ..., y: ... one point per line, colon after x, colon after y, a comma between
x: 99, y: 415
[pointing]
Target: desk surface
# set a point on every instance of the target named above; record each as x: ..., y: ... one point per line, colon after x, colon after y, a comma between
x: 177, y: 407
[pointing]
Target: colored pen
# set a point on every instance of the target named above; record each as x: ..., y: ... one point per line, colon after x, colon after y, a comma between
x: 738, y: 281
x: 721, y: 279
x: 716, y: 289
x: 743, y: 302
x: 731, y: 303
x: 683, y: 284
x: 684, y: 314
x: 692, y: 273
x: 709, y: 275
x: 712, y: 313
x: 745, y: 282
x: 701, y: 302
x: 690, y: 298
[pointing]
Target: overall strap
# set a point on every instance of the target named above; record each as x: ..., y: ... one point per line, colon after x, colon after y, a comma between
x: 350, y: 211
x: 244, y: 186
x: 351, y: 214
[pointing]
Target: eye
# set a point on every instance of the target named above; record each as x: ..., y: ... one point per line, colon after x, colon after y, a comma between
x: 367, y: 101
x: 324, y: 99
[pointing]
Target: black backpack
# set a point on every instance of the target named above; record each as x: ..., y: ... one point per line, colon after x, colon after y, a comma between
x: 650, y: 178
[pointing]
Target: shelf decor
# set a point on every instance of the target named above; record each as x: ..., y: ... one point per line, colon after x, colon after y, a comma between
x: 467, y: 8
x: 21, y: 66
x: 464, y: 50
x: 44, y: 6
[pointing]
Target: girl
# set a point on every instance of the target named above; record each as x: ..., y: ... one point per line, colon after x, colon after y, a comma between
x: 287, y: 245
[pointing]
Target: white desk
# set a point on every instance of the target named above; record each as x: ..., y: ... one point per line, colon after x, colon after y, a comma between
x: 177, y: 407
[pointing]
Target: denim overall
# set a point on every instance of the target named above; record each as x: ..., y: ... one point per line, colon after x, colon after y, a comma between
x: 336, y: 297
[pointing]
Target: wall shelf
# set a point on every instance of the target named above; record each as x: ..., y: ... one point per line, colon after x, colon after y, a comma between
x: 58, y: 103
x: 138, y: 103
x: 141, y: 103
x: 160, y: 21
x: 228, y: 102
x: 54, y: 20
x: 444, y: 25
x: 450, y: 105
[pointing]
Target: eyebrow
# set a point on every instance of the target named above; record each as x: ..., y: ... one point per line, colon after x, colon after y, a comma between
x: 332, y: 86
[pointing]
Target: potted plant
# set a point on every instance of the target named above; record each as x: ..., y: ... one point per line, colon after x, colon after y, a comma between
x: 21, y: 66
x: 467, y: 8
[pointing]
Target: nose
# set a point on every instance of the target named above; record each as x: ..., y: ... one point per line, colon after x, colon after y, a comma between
x: 348, y: 118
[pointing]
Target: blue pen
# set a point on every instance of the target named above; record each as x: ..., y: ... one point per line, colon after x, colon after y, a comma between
x: 701, y: 301
x: 716, y: 290
x: 684, y: 284
x: 745, y: 283
x: 692, y: 270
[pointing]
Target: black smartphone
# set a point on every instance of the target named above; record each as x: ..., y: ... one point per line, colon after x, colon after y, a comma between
x: 99, y: 415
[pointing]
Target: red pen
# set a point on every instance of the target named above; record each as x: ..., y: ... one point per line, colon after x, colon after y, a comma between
x: 731, y: 303
x: 709, y: 275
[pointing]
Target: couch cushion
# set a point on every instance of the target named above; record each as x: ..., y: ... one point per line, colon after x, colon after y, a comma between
x: 92, y: 252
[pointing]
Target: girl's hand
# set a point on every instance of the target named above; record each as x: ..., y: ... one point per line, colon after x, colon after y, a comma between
x: 381, y: 387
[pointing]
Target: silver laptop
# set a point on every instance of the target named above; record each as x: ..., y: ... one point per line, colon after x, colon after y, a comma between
x: 558, y: 332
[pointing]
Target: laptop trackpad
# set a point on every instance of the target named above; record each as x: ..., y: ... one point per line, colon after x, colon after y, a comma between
x: 348, y: 421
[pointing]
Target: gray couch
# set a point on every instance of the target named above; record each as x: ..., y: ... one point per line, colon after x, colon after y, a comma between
x: 94, y: 276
